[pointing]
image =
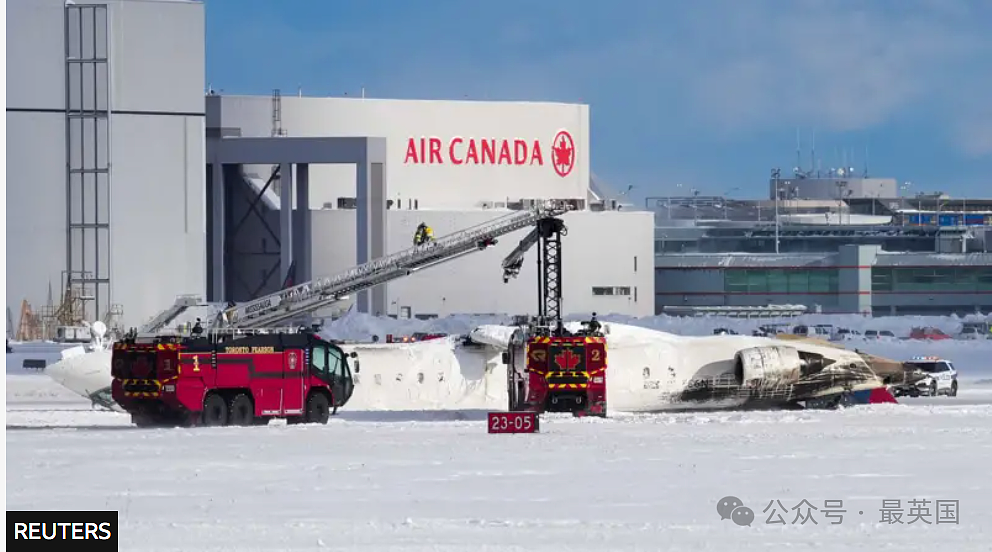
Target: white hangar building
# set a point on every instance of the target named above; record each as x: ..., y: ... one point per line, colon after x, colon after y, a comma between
x: 111, y: 180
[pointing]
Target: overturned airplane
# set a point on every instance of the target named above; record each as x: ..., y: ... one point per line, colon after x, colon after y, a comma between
x: 653, y: 371
x: 649, y: 371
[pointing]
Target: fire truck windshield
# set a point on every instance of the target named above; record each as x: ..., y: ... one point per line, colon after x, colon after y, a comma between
x: 328, y: 361
x: 335, y: 361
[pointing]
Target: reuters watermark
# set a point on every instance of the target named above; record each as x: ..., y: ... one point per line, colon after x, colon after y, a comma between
x: 917, y: 511
x: 44, y: 530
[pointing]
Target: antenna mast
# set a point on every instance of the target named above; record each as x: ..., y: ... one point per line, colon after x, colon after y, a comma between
x: 812, y: 154
x: 799, y: 153
x: 866, y: 162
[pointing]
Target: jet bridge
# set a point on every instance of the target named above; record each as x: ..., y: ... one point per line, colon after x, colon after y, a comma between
x: 293, y: 302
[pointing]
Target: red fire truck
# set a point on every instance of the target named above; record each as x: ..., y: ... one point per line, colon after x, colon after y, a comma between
x: 239, y: 377
x: 560, y: 371
x: 563, y: 374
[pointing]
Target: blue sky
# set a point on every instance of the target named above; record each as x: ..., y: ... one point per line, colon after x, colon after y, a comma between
x: 707, y: 94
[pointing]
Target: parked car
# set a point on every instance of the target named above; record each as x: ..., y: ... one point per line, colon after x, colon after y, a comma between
x: 844, y: 334
x: 974, y: 332
x: 939, y: 378
x: 929, y: 333
x: 879, y: 334
x: 819, y: 331
x: 770, y: 330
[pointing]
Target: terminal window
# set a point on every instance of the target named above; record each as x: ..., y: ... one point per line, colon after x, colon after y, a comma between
x: 780, y: 281
x: 966, y: 279
x: 611, y: 290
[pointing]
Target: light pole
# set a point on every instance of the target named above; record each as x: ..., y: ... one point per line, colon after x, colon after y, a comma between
x: 776, y: 173
x: 726, y: 201
x: 936, y: 221
x: 841, y: 189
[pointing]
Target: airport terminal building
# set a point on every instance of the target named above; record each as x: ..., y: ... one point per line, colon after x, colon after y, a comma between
x: 840, y: 245
x: 129, y: 183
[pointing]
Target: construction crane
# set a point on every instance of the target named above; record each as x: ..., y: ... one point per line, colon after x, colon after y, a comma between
x: 294, y: 302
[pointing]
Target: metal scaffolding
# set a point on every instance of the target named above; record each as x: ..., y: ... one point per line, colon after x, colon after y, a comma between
x: 87, y: 157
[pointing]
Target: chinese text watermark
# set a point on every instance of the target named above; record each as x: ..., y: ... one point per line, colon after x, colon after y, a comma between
x: 831, y: 512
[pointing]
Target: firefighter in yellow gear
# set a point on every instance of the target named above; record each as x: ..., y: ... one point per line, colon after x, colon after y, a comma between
x: 423, y: 234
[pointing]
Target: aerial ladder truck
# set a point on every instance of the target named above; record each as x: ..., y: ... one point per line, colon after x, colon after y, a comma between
x: 550, y: 369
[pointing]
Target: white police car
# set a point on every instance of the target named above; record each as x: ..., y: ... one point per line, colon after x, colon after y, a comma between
x: 939, y: 376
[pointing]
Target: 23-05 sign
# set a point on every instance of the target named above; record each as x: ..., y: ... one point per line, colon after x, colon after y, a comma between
x: 513, y: 422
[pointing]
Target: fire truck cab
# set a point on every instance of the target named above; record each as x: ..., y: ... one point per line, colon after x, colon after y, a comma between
x: 560, y: 372
x: 239, y: 377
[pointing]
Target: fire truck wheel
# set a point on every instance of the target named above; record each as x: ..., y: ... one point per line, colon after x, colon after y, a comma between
x: 318, y: 409
x: 242, y: 410
x: 214, y: 410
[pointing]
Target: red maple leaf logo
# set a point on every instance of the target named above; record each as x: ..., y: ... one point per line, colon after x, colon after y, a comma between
x: 563, y: 150
x: 567, y: 360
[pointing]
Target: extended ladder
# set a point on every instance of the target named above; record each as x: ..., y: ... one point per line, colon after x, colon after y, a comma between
x: 310, y: 296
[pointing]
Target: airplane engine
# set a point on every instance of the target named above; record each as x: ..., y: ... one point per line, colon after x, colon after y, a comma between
x: 764, y: 366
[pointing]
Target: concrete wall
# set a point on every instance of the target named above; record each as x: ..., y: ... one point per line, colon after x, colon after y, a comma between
x: 156, y: 153
x: 36, y: 181
x: 854, y: 277
x: 443, y: 183
x: 36, y: 200
x: 158, y: 213
x: 599, y: 250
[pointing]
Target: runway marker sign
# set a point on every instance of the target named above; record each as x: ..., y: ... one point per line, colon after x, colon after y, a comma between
x: 514, y: 422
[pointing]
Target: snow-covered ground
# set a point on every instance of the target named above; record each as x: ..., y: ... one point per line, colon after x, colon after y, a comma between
x: 417, y: 481
x: 422, y: 479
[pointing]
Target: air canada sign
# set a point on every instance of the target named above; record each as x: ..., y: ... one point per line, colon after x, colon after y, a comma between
x: 559, y: 152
